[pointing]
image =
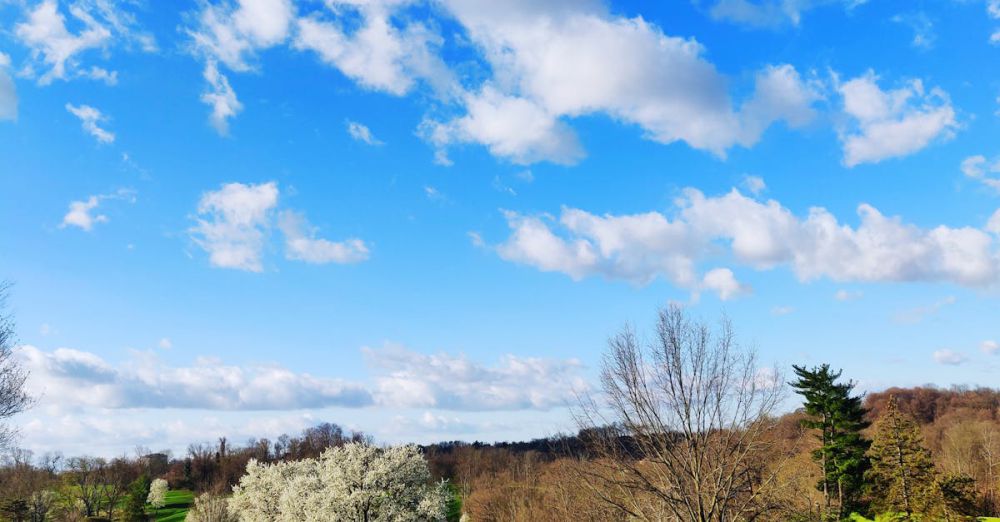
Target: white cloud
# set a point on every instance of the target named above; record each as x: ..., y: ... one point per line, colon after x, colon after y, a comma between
x: 90, y: 119
x: 512, y: 128
x: 723, y: 281
x: 642, y: 247
x: 848, y: 295
x: 81, y: 214
x: 377, y: 54
x: 103, y: 23
x: 982, y: 170
x: 220, y: 97
x: 301, y: 245
x: 990, y: 347
x: 770, y: 14
x: 993, y: 225
x: 411, y: 379
x: 949, y: 357
x: 51, y: 43
x: 147, y: 382
x: 8, y: 92
x: 362, y: 133
x: 231, y: 32
x: 894, y: 123
x: 360, y: 39
x: 401, y: 378
x: 165, y: 344
x: 235, y: 220
x: 558, y: 60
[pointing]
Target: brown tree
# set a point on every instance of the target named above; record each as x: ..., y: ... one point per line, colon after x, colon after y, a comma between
x: 13, y: 397
x: 688, y: 414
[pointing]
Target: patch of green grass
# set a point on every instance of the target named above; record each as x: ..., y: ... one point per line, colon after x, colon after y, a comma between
x: 176, y: 508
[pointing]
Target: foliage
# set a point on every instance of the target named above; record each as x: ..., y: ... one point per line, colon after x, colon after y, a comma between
x: 357, y: 481
x: 902, y: 474
x: 840, y: 418
x: 157, y: 493
x: 134, y: 508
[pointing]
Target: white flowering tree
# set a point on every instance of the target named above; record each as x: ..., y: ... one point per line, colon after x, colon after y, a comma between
x: 355, y: 482
x: 157, y: 493
x: 210, y: 508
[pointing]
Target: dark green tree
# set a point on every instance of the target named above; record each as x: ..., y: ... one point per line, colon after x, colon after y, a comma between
x: 902, y: 476
x: 839, y: 418
x: 134, y: 509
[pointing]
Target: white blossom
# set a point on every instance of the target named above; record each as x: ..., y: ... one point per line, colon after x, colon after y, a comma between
x: 157, y: 493
x: 354, y: 482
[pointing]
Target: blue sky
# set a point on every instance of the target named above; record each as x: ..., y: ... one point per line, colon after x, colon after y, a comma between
x: 423, y: 220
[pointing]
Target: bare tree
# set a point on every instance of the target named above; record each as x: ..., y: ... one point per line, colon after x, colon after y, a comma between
x: 13, y: 397
x: 88, y: 478
x: 681, y: 432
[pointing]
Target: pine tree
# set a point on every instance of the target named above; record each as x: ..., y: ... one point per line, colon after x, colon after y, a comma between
x: 902, y: 473
x: 840, y: 418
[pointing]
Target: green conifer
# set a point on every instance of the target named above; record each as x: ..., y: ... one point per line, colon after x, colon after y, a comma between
x: 840, y: 418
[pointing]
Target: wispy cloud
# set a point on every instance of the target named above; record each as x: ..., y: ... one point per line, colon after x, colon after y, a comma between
x: 91, y: 119
x: 362, y: 133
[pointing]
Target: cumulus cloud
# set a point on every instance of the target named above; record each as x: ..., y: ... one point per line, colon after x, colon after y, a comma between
x: 990, y: 347
x: 982, y: 170
x: 234, y: 222
x: 146, y: 382
x: 558, y: 60
x: 723, y: 282
x: 362, y: 133
x: 301, y: 245
x: 55, y: 48
x: 760, y: 234
x: 770, y: 14
x: 949, y: 357
x: 360, y: 39
x: 91, y: 118
x: 893, y: 123
x: 411, y: 379
x: 377, y: 54
x: 512, y: 128
x: 82, y: 214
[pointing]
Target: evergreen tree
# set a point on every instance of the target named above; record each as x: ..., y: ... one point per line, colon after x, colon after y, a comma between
x: 135, y: 502
x: 902, y: 474
x: 839, y: 418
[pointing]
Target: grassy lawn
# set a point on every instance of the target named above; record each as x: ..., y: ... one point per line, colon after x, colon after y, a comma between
x: 176, y: 508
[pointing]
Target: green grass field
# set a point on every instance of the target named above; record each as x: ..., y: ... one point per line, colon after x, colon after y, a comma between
x: 176, y: 508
